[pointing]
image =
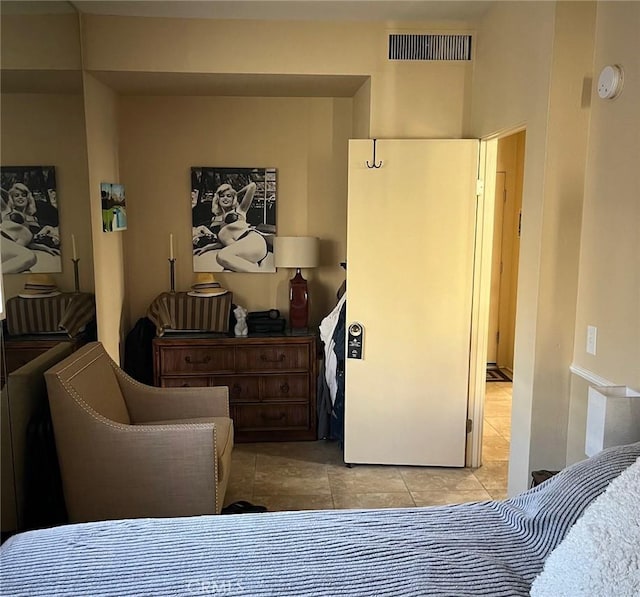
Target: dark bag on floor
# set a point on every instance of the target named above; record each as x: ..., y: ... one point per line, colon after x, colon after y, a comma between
x: 538, y: 477
x: 43, y: 498
x: 138, y: 351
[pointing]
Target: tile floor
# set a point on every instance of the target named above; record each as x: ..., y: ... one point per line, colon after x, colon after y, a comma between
x: 312, y: 475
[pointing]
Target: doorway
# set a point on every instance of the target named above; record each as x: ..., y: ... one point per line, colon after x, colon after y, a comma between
x: 502, y: 309
x: 506, y: 251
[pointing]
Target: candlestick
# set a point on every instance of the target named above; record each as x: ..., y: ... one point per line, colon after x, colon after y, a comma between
x: 171, y: 246
x: 76, y: 276
x: 172, y: 269
x: 73, y: 243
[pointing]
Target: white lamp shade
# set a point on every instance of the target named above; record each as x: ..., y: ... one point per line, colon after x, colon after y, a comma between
x: 296, y: 251
x: 613, y: 418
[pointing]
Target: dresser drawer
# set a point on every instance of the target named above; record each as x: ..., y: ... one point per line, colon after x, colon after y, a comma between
x: 272, y: 357
x: 261, y: 417
x: 185, y: 382
x: 276, y: 388
x: 241, y: 388
x: 205, y: 359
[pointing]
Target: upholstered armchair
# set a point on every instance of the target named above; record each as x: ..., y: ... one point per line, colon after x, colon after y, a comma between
x: 127, y: 450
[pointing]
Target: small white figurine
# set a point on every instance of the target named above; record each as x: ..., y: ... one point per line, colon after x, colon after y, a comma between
x: 241, y: 328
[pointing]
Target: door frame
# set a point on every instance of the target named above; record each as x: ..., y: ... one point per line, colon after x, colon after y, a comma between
x: 487, y: 164
x: 485, y: 211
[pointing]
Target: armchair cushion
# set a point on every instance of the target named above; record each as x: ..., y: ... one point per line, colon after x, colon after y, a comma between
x: 147, y: 403
x: 223, y: 438
x: 176, y: 465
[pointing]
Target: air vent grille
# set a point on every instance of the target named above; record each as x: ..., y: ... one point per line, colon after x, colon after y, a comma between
x: 429, y: 47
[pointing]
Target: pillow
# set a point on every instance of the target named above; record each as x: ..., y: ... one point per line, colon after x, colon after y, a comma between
x: 600, y: 555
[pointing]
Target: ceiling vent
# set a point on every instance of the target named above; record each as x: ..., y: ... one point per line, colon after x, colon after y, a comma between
x: 429, y: 47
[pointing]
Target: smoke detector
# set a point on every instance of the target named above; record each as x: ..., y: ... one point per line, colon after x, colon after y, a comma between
x: 610, y: 81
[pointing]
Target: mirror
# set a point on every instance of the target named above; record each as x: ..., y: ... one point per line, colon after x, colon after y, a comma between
x: 43, y: 148
x: 45, y: 205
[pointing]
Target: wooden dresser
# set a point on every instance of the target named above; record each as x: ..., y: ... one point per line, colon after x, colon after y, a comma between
x: 271, y: 380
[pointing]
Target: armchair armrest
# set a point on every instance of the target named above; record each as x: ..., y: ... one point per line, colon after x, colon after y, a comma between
x: 146, y: 471
x: 147, y: 403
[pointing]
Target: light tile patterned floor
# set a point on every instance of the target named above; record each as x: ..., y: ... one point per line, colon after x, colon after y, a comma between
x: 312, y: 475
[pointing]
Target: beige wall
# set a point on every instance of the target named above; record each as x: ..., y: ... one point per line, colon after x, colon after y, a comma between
x: 305, y: 138
x: 609, y: 274
x: 102, y: 151
x: 408, y: 99
x: 40, y: 42
x: 362, y: 111
x: 563, y: 203
x: 532, y: 59
x: 162, y: 137
x: 510, y: 90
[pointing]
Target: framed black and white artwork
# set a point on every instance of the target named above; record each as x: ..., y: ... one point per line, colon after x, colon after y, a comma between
x: 233, y: 213
x: 114, y: 209
x: 29, y: 220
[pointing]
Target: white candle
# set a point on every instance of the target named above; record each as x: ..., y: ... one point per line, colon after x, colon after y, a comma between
x: 171, y: 246
x: 73, y: 243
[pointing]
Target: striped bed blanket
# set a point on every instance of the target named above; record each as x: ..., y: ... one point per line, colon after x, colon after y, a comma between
x: 482, y: 548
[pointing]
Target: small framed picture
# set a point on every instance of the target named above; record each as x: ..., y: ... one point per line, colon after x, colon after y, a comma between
x: 114, y: 210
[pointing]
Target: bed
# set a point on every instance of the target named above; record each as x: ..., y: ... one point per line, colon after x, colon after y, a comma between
x: 483, y: 548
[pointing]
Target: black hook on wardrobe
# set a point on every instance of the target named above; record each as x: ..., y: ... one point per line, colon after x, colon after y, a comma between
x: 374, y: 165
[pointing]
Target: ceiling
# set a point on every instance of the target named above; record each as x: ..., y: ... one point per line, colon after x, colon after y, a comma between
x: 35, y: 7
x: 340, y: 10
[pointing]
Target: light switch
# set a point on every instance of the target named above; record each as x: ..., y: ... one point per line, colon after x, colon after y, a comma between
x: 592, y: 336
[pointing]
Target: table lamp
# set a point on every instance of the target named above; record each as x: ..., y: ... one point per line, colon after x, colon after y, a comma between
x: 297, y: 252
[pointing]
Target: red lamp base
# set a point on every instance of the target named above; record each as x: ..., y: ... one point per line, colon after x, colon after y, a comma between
x: 298, y: 302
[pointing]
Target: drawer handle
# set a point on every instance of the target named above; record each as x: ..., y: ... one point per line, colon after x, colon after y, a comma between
x: 280, y: 417
x: 264, y: 358
x: 284, y: 388
x: 196, y: 361
x: 236, y: 390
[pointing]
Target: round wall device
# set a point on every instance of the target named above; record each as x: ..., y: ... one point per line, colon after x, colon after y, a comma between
x: 610, y: 82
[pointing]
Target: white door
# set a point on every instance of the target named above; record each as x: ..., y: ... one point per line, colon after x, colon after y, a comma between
x: 410, y: 250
